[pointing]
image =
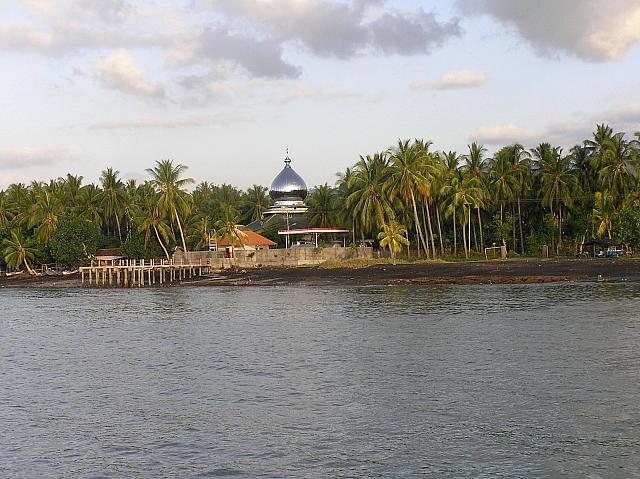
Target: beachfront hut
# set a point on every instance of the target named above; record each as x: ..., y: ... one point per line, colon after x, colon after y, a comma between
x: 108, y: 257
x: 250, y: 241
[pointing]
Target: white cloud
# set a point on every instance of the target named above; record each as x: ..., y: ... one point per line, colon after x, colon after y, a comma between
x: 453, y: 80
x: 101, y: 10
x: 589, y: 29
x: 20, y: 158
x: 169, y: 123
x: 503, y: 135
x: 119, y: 71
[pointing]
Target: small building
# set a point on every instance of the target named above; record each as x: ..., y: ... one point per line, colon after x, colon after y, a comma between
x: 250, y: 241
x: 311, y: 235
x: 108, y: 257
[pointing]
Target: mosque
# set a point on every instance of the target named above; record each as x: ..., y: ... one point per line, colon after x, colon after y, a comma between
x: 288, y: 213
x: 288, y: 191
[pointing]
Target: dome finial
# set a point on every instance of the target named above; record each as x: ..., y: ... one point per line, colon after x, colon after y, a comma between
x: 287, y: 160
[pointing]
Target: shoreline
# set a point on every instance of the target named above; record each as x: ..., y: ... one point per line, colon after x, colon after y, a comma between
x: 512, y: 271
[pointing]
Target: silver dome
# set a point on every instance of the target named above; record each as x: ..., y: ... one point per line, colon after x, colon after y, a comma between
x: 288, y: 185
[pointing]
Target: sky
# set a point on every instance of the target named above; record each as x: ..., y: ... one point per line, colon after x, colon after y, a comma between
x: 226, y: 86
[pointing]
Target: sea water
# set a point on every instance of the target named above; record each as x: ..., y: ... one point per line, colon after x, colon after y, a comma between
x: 321, y: 382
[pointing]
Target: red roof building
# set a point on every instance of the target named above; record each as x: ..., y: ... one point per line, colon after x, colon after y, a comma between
x: 250, y: 241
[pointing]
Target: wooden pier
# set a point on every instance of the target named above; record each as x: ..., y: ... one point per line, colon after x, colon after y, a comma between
x: 140, y: 273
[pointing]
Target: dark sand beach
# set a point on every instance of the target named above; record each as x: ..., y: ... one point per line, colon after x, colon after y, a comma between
x: 514, y: 271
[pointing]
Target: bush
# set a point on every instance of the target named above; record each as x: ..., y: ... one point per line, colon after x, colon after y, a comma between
x: 133, y: 247
x: 74, y: 241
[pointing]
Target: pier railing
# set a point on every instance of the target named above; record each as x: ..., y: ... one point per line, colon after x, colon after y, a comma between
x: 131, y: 273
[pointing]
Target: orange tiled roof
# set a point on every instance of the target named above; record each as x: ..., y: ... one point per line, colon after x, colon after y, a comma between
x: 251, y: 239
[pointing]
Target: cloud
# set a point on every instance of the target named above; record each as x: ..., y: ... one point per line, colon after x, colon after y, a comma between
x: 20, y: 158
x: 564, y: 133
x: 169, y: 123
x: 259, y: 57
x: 589, y: 29
x: 310, y: 92
x: 101, y: 10
x: 453, y: 80
x: 503, y: 135
x: 249, y: 38
x: 329, y: 28
x: 118, y: 70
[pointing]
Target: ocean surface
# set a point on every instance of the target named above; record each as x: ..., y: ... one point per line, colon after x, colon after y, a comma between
x: 322, y: 382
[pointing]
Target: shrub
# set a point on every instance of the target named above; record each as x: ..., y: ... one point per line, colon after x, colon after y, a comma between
x: 74, y: 241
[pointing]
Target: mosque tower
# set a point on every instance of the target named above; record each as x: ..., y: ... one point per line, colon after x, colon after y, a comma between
x: 288, y: 191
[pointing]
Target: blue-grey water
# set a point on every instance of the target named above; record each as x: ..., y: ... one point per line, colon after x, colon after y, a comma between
x: 322, y: 382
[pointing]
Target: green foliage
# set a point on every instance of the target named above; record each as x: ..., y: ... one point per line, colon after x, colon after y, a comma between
x: 502, y: 230
x: 18, y: 251
x: 133, y: 247
x: 74, y: 241
x: 627, y: 229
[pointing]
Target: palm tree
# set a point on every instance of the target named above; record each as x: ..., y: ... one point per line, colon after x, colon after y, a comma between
x: 603, y: 212
x: 393, y: 236
x: 169, y: 183
x: 450, y: 181
x: 370, y: 205
x: 148, y: 216
x: 344, y: 189
x: 600, y: 136
x: 90, y: 204
x: 406, y: 180
x: 44, y: 214
x: 201, y: 233
x: 18, y: 251
x: 619, y: 164
x: 476, y: 167
x: 463, y: 195
x: 322, y: 206
x: 112, y: 197
x: 256, y: 201
x: 501, y: 181
x: 227, y: 227
x: 582, y: 166
x: 5, y: 211
x: 558, y: 182
x: 521, y: 167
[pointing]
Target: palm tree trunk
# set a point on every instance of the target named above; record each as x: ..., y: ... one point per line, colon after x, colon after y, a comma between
x: 464, y: 235
x: 29, y: 270
x: 424, y: 227
x: 184, y: 245
x: 433, y: 242
x: 161, y: 243
x: 560, y: 229
x: 147, y: 237
x: 480, y: 228
x: 440, y: 231
x: 475, y: 235
x: 513, y: 230
x: 118, y: 225
x: 417, y: 220
x: 520, y: 225
x: 455, y: 234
